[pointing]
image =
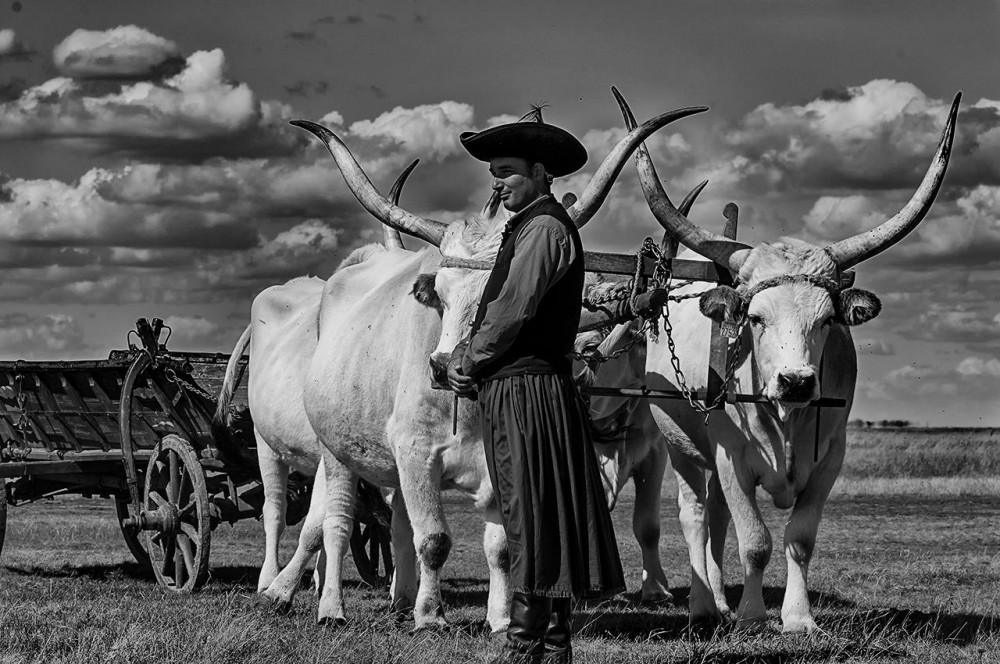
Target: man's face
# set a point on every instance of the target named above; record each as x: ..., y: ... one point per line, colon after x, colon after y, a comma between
x: 516, y: 181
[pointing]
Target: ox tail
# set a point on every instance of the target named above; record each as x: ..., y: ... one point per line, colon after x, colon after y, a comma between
x: 228, y: 425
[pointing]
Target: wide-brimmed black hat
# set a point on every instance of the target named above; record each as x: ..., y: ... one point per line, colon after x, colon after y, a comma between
x: 557, y: 149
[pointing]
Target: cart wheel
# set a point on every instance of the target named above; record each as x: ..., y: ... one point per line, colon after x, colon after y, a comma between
x: 131, y: 536
x: 3, y: 514
x: 371, y: 541
x: 176, y: 500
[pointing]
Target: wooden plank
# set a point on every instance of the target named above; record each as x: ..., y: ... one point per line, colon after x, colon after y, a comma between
x: 698, y: 395
x: 181, y: 422
x: 718, y: 354
x: 596, y: 261
x: 77, y: 400
x: 49, y: 401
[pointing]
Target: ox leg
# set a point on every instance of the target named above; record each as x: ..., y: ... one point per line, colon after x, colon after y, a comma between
x: 800, y: 539
x: 753, y: 537
x: 718, y: 525
x: 498, y: 560
x: 274, y: 476
x: 338, y: 522
x: 691, y: 501
x: 404, y: 576
x: 319, y: 568
x: 648, y: 481
x: 282, y: 590
x: 420, y: 482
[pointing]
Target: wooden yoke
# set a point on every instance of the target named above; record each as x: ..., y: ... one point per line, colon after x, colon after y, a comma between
x: 718, y: 358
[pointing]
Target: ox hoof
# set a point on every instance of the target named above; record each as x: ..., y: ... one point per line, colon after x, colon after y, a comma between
x: 806, y: 626
x: 654, y: 598
x: 281, y: 607
x: 500, y: 628
x: 331, y: 621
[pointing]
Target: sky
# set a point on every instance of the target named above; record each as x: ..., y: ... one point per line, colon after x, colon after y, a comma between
x: 147, y: 167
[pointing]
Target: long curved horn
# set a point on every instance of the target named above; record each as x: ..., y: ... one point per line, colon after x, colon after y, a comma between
x: 853, y: 250
x: 597, y: 189
x: 669, y: 243
x: 718, y: 248
x: 377, y: 205
x: 692, y: 196
x: 393, y: 240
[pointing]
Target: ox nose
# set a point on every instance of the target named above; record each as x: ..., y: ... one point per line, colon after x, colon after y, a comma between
x: 796, y: 386
x: 439, y: 369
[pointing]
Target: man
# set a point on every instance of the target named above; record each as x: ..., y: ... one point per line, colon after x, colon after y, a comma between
x: 535, y: 425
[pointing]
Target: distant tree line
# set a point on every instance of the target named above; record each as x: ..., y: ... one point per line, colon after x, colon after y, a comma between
x: 878, y: 424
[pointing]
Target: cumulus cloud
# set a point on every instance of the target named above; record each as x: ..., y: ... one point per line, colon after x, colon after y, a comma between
x: 27, y: 336
x: 874, y: 136
x: 974, y: 380
x: 954, y: 323
x: 51, y: 212
x: 124, y: 52
x: 428, y: 131
x: 194, y: 114
x: 966, y: 234
x: 837, y: 217
x: 977, y: 366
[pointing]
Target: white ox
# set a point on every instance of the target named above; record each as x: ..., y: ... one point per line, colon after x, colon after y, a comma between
x: 796, y: 347
x: 281, y: 340
x: 368, y: 392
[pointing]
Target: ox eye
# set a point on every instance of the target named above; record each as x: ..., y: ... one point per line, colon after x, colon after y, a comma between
x: 755, y: 320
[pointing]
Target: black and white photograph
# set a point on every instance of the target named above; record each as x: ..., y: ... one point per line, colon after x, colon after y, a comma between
x: 522, y: 332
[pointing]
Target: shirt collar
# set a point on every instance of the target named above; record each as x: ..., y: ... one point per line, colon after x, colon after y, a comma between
x: 519, y: 217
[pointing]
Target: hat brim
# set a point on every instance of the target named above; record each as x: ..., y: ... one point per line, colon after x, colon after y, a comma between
x: 557, y: 149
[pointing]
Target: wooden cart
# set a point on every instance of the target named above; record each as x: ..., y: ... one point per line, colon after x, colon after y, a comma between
x: 137, y: 428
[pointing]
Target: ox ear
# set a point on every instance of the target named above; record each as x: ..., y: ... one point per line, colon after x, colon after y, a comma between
x: 858, y: 306
x: 722, y: 304
x: 425, y: 293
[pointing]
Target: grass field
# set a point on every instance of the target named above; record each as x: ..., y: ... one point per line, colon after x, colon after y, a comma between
x: 907, y: 569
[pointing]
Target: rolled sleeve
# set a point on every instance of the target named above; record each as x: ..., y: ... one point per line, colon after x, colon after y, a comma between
x: 544, y: 251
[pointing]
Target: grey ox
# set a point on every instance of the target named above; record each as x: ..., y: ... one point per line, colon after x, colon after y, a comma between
x: 794, y: 318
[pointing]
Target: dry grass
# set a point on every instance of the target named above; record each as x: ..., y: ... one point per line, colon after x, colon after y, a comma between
x: 907, y: 569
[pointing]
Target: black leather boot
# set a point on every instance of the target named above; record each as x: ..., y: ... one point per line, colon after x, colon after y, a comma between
x: 557, y: 637
x: 529, y: 618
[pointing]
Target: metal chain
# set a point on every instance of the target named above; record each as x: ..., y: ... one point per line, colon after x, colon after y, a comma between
x: 675, y: 362
x: 188, y: 385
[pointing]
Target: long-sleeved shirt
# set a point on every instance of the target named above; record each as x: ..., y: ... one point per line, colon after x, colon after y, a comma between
x: 544, y: 250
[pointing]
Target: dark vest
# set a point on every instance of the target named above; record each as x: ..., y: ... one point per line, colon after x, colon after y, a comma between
x: 544, y: 342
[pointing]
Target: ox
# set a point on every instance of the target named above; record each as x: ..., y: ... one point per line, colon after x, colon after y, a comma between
x: 281, y: 339
x: 368, y: 395
x: 795, y: 346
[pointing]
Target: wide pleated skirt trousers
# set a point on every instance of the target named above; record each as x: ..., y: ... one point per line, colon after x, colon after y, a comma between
x: 536, y: 430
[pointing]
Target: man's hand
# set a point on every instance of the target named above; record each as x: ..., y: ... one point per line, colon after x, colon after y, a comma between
x: 461, y: 384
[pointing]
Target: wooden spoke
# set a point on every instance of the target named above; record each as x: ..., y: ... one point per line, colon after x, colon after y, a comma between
x: 158, y: 499
x: 173, y: 488
x: 191, y: 532
x: 187, y: 554
x: 186, y: 510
